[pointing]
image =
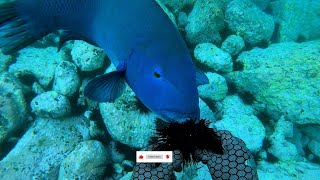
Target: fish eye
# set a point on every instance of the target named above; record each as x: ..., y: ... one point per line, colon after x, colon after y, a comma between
x: 157, y: 72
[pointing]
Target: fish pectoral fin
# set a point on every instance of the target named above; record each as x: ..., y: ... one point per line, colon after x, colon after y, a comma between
x: 69, y: 35
x: 201, y: 78
x: 107, y: 87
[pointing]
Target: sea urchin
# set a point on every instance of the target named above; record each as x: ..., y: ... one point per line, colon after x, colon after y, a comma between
x: 188, y: 137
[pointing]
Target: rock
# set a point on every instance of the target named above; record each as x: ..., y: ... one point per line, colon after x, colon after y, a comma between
x: 51, y: 104
x: 87, y: 57
x: 177, y: 5
x: 128, y: 164
x: 182, y: 19
x: 297, y: 20
x: 66, y: 79
x: 205, y: 22
x: 205, y: 111
x: 13, y: 109
x: 87, y: 161
x: 212, y: 57
x: 168, y: 12
x: 5, y: 61
x: 314, y: 147
x: 118, y: 168
x: 239, y: 119
x: 311, y: 139
x: 284, y: 78
x: 280, y: 147
x: 198, y: 171
x: 128, y: 176
x: 248, y: 128
x: 311, y: 131
x: 288, y: 170
x: 40, y: 151
x: 95, y: 130
x: 115, y: 155
x: 231, y: 106
x: 37, y: 88
x: 128, y: 121
x: 233, y: 45
x: 216, y: 90
x: 262, y: 4
x: 39, y: 63
x: 245, y: 19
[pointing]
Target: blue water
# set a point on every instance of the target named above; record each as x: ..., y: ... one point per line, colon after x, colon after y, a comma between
x: 262, y: 59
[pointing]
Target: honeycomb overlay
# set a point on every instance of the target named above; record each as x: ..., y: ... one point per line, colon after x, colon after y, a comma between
x: 235, y: 163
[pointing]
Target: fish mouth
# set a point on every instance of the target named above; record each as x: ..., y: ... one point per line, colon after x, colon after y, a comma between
x: 170, y: 115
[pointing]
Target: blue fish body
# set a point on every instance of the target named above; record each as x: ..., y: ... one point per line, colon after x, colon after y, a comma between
x: 138, y: 37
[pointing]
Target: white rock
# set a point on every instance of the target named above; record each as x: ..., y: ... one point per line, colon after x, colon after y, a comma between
x: 216, y: 90
x: 87, y: 161
x: 87, y: 57
x: 247, y: 128
x: 40, y: 63
x: 66, y: 79
x: 51, y: 104
x: 40, y: 151
x: 233, y: 45
x: 13, y: 108
x: 211, y: 56
x: 205, y: 21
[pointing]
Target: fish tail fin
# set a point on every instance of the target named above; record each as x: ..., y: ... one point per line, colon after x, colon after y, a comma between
x: 15, y: 30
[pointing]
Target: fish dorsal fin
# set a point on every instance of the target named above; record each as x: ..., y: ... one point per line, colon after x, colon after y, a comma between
x: 69, y: 35
x: 107, y: 87
x: 201, y: 78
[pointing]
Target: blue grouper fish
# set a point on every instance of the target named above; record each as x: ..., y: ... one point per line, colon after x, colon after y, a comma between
x: 138, y: 37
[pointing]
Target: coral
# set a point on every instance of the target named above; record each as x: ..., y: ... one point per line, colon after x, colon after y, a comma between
x: 213, y: 58
x: 284, y: 79
x: 87, y: 161
x: 248, y: 21
x: 51, y: 104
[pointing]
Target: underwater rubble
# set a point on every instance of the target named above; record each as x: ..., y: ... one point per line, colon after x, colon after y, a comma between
x: 262, y: 59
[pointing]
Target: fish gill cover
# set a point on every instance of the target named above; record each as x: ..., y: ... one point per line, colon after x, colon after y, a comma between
x: 261, y: 58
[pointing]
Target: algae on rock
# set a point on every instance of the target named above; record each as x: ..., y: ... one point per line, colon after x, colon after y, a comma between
x: 13, y: 108
x: 40, y: 63
x: 40, y: 151
x: 285, y: 78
